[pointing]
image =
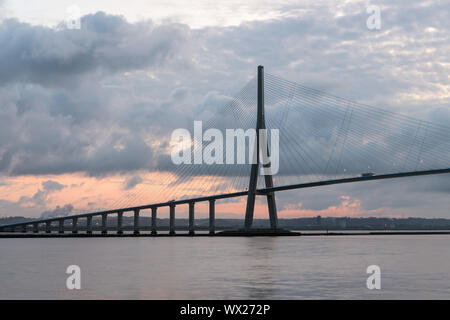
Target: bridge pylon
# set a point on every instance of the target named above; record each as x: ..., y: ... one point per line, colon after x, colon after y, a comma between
x: 261, y: 133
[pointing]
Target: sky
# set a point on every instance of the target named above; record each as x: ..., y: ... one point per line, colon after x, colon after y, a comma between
x: 86, y: 114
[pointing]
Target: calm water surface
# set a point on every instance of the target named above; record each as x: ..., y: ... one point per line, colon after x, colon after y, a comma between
x: 416, y: 267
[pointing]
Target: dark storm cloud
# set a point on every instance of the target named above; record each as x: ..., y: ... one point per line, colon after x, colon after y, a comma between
x: 100, y: 120
x: 61, y: 107
x: 119, y: 153
x: 104, y: 43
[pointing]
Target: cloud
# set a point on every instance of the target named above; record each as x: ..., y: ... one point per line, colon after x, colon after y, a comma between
x: 104, y: 44
x: 32, y: 205
x: 51, y: 185
x: 57, y: 212
x: 96, y: 100
x: 132, y: 182
x: 41, y: 196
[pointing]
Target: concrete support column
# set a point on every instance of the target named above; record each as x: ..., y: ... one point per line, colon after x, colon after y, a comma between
x: 24, y: 228
x: 89, y: 224
x: 212, y: 216
x: 172, y: 220
x: 191, y: 218
x: 48, y: 227
x: 61, y: 226
x: 35, y: 227
x: 74, y: 225
x: 136, y: 221
x: 104, y: 223
x: 119, y: 222
x: 154, y: 232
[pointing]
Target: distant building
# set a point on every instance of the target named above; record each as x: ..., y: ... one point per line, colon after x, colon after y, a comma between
x: 319, y: 220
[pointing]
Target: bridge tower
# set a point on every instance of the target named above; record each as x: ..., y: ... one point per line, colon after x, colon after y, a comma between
x: 261, y: 133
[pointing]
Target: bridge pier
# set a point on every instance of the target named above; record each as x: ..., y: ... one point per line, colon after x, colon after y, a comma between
x: 24, y: 228
x: 212, y: 218
x: 74, y: 225
x: 119, y: 222
x: 260, y: 125
x: 136, y: 221
x: 35, y: 227
x: 48, y: 227
x: 89, y: 224
x: 154, y: 231
x: 191, y: 218
x: 104, y: 223
x: 172, y: 220
x: 61, y: 226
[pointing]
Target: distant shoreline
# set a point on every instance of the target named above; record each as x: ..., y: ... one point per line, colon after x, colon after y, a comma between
x: 205, y: 234
x: 317, y: 223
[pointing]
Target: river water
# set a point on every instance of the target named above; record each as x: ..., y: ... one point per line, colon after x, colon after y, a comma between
x: 319, y: 267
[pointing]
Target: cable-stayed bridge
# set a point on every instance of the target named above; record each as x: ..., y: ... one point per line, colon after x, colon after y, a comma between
x: 322, y: 140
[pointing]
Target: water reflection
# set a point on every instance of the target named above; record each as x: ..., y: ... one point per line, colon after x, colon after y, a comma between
x: 226, y: 268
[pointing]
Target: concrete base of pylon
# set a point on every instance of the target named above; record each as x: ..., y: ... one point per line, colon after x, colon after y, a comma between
x: 258, y: 233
